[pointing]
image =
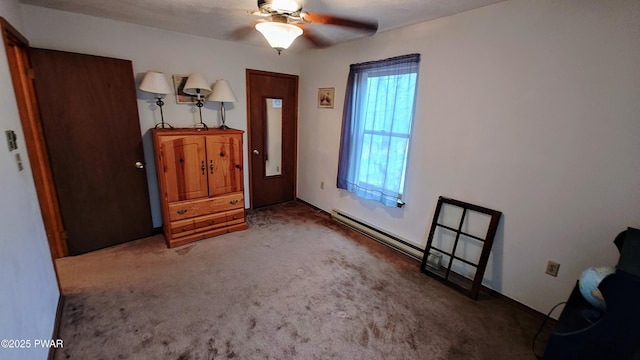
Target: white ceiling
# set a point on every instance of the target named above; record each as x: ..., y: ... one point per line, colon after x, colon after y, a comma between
x: 230, y: 19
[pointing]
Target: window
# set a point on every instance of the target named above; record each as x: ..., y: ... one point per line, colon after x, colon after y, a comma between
x: 376, y: 128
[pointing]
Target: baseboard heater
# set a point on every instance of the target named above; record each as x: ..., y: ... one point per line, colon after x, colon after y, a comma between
x: 393, y: 241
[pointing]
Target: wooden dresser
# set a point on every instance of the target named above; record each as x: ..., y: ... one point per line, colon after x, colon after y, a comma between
x: 201, y: 182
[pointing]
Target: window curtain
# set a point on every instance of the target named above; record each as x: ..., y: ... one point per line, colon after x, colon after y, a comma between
x: 377, y: 119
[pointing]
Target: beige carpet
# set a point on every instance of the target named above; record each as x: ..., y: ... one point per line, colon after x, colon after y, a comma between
x: 295, y: 285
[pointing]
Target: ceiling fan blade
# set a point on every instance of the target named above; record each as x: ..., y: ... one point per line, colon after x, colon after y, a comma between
x: 315, y: 18
x: 315, y: 40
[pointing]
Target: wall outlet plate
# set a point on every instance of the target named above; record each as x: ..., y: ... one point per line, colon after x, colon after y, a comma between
x: 552, y: 268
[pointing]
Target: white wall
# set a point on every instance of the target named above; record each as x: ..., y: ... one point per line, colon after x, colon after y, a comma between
x: 527, y: 107
x: 165, y: 51
x: 30, y: 292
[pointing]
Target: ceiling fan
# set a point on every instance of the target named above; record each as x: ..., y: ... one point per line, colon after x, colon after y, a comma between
x: 282, y: 21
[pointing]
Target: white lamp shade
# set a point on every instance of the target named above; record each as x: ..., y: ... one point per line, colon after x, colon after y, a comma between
x: 196, y: 84
x: 222, y: 92
x: 155, y: 82
x: 279, y: 35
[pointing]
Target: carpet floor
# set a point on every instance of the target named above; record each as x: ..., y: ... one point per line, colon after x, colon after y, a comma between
x: 295, y: 285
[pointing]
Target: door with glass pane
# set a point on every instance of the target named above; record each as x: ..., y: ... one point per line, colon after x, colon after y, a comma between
x: 273, y: 108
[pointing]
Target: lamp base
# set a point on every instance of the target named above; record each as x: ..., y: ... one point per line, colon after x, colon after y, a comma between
x: 162, y: 125
x: 160, y: 103
x: 222, y: 117
x: 203, y: 125
x: 199, y: 104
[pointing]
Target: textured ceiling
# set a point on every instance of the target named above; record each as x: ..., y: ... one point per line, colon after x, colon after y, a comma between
x: 231, y: 19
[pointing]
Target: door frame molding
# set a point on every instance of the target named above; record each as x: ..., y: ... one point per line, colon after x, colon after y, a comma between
x: 250, y: 72
x: 16, y: 47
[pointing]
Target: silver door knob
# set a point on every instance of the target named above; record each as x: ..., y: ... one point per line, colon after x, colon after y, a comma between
x: 256, y: 152
x: 139, y: 165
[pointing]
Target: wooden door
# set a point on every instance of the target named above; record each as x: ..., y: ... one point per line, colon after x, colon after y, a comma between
x: 224, y: 157
x: 90, y: 119
x: 263, y: 88
x: 183, y: 160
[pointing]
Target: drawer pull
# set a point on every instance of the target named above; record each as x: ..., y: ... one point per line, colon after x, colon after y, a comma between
x: 182, y: 211
x: 184, y: 229
x: 235, y: 218
x: 233, y: 202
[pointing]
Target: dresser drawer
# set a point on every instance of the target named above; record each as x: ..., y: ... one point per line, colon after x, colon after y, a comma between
x: 192, y: 208
x: 229, y: 202
x: 182, y: 227
x: 212, y: 221
x: 235, y: 216
x: 188, y: 209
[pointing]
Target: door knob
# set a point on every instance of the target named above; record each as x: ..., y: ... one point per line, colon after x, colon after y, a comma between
x: 256, y: 152
x: 139, y: 165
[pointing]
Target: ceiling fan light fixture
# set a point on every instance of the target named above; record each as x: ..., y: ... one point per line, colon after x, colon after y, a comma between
x: 279, y: 35
x: 279, y: 6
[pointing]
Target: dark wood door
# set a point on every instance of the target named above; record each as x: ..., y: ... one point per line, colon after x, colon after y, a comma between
x: 277, y: 185
x: 90, y: 119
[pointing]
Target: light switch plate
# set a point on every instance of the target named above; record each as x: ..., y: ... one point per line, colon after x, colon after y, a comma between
x: 11, y: 140
x: 19, y: 161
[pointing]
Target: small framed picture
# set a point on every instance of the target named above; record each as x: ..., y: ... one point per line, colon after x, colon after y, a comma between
x: 178, y: 87
x: 326, y: 97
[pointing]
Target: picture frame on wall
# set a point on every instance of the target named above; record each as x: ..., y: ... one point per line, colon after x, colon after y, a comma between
x: 326, y: 97
x: 178, y: 87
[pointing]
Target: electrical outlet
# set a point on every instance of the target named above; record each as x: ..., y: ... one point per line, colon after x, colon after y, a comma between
x: 552, y: 268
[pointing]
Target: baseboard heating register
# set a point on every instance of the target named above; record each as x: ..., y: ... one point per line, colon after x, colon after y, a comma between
x: 380, y: 235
